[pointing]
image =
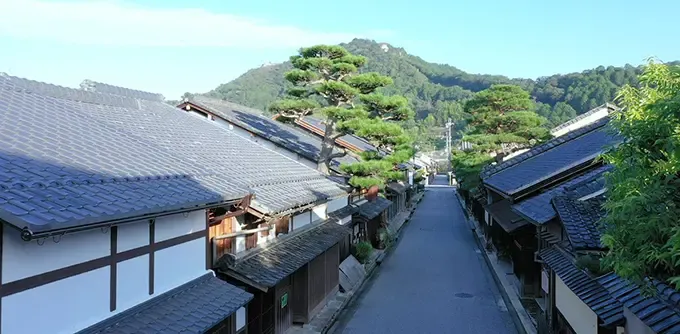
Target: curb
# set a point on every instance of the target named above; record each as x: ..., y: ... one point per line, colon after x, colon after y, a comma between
x: 369, y: 273
x: 504, y: 293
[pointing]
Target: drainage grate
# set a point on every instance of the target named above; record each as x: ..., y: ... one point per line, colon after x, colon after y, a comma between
x: 463, y: 295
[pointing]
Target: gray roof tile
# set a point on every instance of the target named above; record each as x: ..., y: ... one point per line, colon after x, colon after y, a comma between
x: 295, y: 140
x: 99, y: 87
x: 586, y: 288
x: 593, y: 111
x: 351, y: 139
x: 661, y: 311
x: 344, y: 212
x: 538, y: 210
x: 549, y: 163
x: 276, y: 262
x: 372, y: 209
x: 581, y: 220
x: 109, y: 157
x: 194, y: 307
x: 490, y: 170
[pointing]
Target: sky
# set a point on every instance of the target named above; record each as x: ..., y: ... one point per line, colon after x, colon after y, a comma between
x: 177, y: 46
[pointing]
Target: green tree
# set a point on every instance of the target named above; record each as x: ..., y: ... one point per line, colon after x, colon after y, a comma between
x: 502, y: 119
x: 325, y: 81
x: 643, y: 205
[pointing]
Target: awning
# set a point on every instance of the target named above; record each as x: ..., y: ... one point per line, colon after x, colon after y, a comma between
x: 397, y: 187
x: 194, y: 307
x: 372, y: 209
x: 502, y: 213
x: 286, y: 255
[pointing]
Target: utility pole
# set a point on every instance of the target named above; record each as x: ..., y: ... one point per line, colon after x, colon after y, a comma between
x: 448, y: 142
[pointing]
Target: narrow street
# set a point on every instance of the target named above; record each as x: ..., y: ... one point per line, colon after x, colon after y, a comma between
x: 435, y: 281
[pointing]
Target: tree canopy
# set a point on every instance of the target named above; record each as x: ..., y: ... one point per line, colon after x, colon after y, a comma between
x: 501, y: 119
x: 325, y: 81
x: 643, y: 205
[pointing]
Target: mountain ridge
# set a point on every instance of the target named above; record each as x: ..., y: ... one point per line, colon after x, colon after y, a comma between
x: 432, y: 87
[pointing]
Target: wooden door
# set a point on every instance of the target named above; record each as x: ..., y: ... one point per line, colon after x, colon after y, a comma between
x: 284, y: 318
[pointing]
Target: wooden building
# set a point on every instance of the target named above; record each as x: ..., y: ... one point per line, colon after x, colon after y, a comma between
x: 370, y: 217
x: 525, y: 182
x: 100, y: 222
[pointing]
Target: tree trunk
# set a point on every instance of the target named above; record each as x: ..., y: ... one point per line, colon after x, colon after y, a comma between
x: 326, y: 148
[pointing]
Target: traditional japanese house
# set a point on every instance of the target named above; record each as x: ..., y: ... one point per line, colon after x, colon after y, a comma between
x: 370, y: 217
x: 584, y: 119
x: 287, y: 140
x: 104, y: 228
x: 521, y: 179
x: 573, y: 301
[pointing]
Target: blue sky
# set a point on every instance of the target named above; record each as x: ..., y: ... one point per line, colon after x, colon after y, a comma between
x: 174, y: 46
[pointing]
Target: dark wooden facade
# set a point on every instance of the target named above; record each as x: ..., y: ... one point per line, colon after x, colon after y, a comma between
x: 297, y: 298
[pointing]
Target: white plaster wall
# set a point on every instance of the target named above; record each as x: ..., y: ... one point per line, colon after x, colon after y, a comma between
x: 319, y: 212
x: 581, y: 318
x: 240, y: 318
x: 337, y: 204
x: 132, y: 282
x: 604, y: 111
x: 240, y: 242
x: 65, y: 306
x: 173, y: 226
x: 346, y: 220
x: 21, y: 259
x: 301, y: 220
x: 177, y: 265
x: 634, y: 325
x: 133, y: 235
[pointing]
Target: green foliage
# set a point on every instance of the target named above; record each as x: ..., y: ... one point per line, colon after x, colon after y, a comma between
x: 591, y: 263
x: 499, y: 115
x: 324, y: 81
x: 642, y: 229
x: 426, y: 84
x: 362, y: 251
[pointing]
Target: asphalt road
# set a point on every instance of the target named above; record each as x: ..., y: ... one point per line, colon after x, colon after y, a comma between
x: 434, y: 281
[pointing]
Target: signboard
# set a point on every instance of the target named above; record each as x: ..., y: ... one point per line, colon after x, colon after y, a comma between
x: 410, y: 177
x: 284, y: 300
x: 544, y: 281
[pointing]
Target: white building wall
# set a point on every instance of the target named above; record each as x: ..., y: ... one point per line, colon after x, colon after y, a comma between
x: 300, y: 220
x: 132, y: 279
x: 177, y: 265
x: 346, y: 220
x: 74, y: 303
x: 581, y: 318
x: 319, y: 212
x: 21, y: 259
x: 180, y: 224
x: 337, y: 204
x: 594, y: 117
x: 62, y: 307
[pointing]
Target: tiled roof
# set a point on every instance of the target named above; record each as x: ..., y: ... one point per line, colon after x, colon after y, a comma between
x: 194, y: 307
x: 550, y: 163
x: 276, y: 262
x: 372, y: 209
x: 538, y: 210
x: 578, y: 118
x: 295, y: 140
x: 99, y: 87
x: 505, y: 217
x: 661, y: 312
x: 361, y: 143
x: 581, y: 220
x: 71, y: 157
x: 583, y: 286
x: 344, y: 212
x: 397, y: 187
x: 490, y: 170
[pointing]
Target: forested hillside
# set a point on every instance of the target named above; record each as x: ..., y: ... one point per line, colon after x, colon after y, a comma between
x: 437, y: 90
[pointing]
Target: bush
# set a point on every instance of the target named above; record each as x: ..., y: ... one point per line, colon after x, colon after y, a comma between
x: 363, y: 251
x: 385, y: 237
x: 590, y: 263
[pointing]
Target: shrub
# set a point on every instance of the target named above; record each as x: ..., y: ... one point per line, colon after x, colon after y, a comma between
x: 363, y: 251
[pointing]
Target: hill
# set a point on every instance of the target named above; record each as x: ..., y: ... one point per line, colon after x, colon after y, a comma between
x: 437, y: 89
